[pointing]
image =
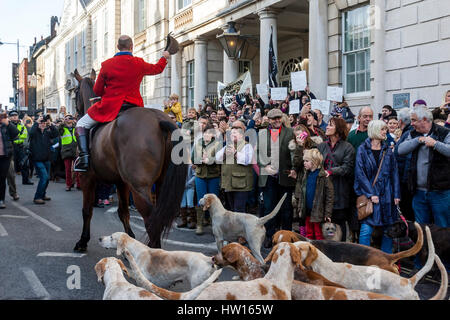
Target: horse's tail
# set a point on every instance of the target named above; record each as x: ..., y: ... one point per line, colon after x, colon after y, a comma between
x: 170, y: 193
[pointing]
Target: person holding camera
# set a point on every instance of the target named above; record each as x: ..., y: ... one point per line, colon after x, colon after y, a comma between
x: 20, y: 148
x: 8, y: 133
x: 68, y: 149
x: 41, y: 135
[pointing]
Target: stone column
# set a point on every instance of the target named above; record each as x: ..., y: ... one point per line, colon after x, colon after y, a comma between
x: 230, y: 69
x: 175, y: 73
x: 201, y: 71
x: 268, y: 20
x: 318, y: 48
x: 378, y: 54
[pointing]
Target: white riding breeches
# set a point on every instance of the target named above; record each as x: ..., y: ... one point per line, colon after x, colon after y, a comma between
x: 86, y: 122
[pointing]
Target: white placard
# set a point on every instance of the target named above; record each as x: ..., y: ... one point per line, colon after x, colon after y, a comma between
x: 335, y: 94
x: 298, y: 80
x: 294, y: 106
x: 322, y: 105
x: 263, y: 91
x: 278, y: 94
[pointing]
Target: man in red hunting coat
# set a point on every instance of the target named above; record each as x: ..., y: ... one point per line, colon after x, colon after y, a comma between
x: 118, y: 85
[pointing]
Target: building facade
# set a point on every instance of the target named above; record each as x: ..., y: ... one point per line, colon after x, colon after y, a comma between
x: 377, y: 50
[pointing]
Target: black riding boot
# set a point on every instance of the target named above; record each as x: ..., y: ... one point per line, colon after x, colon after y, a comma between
x: 82, y: 162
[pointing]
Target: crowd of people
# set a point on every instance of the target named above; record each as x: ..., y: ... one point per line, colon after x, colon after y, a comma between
x: 399, y: 160
x: 44, y: 147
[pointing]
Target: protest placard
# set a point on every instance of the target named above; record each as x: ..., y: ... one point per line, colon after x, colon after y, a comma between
x: 335, y: 94
x: 278, y: 94
x: 322, y: 105
x: 263, y: 91
x: 294, y: 106
x: 298, y: 80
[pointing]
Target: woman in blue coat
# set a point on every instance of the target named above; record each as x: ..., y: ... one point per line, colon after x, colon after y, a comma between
x: 385, y: 194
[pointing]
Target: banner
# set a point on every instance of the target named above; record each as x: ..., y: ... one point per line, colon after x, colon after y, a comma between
x: 273, y: 67
x: 233, y: 88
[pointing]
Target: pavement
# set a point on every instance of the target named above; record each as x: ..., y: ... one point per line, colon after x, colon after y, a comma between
x: 37, y: 261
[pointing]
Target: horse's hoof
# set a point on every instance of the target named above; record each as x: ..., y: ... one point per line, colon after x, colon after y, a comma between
x: 80, y: 248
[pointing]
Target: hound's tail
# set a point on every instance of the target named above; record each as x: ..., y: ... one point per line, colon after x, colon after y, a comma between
x: 263, y: 220
x: 430, y: 261
x: 440, y: 295
x: 411, y: 251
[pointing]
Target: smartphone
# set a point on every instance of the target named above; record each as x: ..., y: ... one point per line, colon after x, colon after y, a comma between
x: 304, y: 135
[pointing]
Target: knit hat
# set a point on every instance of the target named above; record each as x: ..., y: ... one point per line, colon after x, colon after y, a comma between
x: 422, y: 102
x: 314, y: 156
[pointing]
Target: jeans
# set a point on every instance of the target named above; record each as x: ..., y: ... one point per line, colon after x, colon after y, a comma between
x: 272, y: 193
x: 237, y: 200
x: 188, y: 198
x: 204, y: 186
x: 43, y: 172
x: 432, y: 204
x: 365, y: 235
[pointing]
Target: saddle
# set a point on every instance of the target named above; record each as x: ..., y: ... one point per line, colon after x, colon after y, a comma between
x: 95, y: 128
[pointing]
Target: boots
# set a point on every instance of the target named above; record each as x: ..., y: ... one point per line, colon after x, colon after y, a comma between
x: 183, y: 216
x: 82, y: 162
x: 200, y: 216
x: 192, y: 218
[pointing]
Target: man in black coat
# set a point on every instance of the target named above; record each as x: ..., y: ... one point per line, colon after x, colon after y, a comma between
x: 41, y: 135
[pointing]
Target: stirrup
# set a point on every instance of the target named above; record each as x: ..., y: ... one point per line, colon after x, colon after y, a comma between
x: 81, y: 164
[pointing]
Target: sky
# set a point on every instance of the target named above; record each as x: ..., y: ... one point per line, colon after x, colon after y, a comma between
x: 22, y: 20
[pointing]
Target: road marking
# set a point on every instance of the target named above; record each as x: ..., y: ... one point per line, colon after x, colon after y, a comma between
x: 11, y: 216
x: 35, y: 284
x: 3, y: 232
x: 112, y: 209
x: 61, y: 254
x: 209, y: 246
x: 137, y: 217
x: 137, y: 226
x: 34, y: 215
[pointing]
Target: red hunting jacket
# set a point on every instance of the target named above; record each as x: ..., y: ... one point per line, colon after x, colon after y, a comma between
x: 119, y: 81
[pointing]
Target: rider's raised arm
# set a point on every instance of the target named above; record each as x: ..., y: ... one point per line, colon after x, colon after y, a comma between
x: 152, y: 69
x: 99, y: 86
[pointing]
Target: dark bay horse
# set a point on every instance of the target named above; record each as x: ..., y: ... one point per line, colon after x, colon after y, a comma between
x: 134, y: 152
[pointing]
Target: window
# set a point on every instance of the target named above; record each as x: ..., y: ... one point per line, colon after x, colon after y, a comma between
x: 83, y: 48
x: 244, y: 66
x: 356, y: 52
x: 140, y: 15
x: 190, y: 83
x: 105, y: 35
x: 143, y: 89
x: 94, y: 41
x: 75, y: 52
x: 68, y: 66
x: 183, y: 3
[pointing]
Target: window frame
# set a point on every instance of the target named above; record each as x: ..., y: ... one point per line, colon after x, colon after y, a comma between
x: 140, y: 16
x: 365, y: 49
x: 68, y: 62
x: 94, y: 40
x: 190, y: 83
x: 75, y: 52
x: 105, y: 33
x: 83, y: 48
x: 184, y: 5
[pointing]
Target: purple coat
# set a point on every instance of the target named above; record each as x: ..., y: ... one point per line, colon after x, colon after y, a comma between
x: 386, y: 188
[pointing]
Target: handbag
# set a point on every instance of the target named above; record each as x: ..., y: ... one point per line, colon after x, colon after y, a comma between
x: 364, y: 205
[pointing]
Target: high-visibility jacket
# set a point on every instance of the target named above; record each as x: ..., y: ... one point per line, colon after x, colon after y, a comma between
x: 23, y: 134
x: 68, y: 136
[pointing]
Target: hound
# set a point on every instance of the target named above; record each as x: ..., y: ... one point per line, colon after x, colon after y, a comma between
x: 354, y: 253
x: 161, y: 267
x: 371, y: 278
x: 275, y: 285
x: 229, y: 225
x: 110, y: 271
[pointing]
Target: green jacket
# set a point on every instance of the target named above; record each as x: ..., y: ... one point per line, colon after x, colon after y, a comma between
x: 237, y: 177
x: 284, y: 161
x: 210, y: 169
x: 323, y: 198
x: 189, y: 125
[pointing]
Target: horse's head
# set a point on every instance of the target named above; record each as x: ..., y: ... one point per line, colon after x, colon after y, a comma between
x: 84, y: 91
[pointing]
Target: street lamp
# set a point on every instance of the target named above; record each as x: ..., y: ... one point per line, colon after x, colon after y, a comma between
x: 18, y: 63
x: 231, y: 41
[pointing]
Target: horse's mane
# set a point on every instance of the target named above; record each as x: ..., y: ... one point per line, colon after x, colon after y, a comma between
x: 85, y: 91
